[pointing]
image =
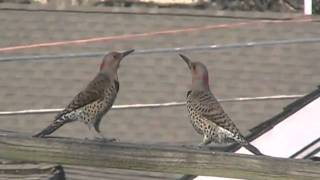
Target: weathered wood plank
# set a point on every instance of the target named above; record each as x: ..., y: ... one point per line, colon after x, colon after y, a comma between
x: 94, y: 173
x: 157, y: 158
x: 24, y: 170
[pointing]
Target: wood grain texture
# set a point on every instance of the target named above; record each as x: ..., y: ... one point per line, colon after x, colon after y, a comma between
x: 155, y: 158
x: 24, y: 170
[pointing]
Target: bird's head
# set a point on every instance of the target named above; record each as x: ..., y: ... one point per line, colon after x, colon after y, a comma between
x: 111, y: 61
x: 199, y: 73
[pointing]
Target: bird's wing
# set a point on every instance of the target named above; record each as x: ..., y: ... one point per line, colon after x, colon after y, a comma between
x: 211, y: 109
x: 91, y: 93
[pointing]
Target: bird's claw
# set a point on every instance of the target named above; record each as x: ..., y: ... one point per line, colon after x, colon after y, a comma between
x: 203, y: 147
x: 106, y: 139
x: 189, y: 146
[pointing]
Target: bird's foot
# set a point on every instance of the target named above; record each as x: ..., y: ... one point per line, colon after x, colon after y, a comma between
x: 103, y: 139
x: 193, y: 146
x: 202, y: 146
x: 189, y: 146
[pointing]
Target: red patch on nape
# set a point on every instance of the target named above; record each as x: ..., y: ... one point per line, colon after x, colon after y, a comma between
x: 205, y: 79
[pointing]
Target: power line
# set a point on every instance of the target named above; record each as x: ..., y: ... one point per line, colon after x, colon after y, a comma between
x: 150, y: 106
x: 168, y: 50
x: 151, y: 34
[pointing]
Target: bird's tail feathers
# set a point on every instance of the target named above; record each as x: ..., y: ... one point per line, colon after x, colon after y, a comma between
x: 253, y: 149
x: 51, y: 128
x: 96, y: 125
x: 241, y: 140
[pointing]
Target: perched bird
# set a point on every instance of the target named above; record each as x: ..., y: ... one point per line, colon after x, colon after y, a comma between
x: 207, y: 115
x: 92, y: 103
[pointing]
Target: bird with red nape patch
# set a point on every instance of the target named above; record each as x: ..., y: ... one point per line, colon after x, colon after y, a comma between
x: 92, y: 103
x: 206, y: 114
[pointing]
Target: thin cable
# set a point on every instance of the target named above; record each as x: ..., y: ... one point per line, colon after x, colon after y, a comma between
x: 150, y: 106
x: 148, y: 34
x: 168, y: 50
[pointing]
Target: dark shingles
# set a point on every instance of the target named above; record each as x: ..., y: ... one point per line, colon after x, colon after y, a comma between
x: 286, y: 69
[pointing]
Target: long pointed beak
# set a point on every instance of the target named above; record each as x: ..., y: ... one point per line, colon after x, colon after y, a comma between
x: 186, y: 59
x: 125, y: 53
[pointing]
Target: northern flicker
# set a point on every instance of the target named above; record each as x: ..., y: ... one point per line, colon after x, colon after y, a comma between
x: 92, y: 103
x: 206, y: 114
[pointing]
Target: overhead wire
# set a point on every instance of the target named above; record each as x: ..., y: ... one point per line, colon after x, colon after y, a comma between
x: 167, y: 50
x: 150, y: 34
x: 155, y: 105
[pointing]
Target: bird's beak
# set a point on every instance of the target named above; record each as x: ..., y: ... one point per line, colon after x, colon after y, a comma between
x: 186, y: 59
x: 125, y: 53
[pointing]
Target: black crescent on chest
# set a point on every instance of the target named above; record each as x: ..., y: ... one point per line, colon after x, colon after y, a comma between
x: 117, y: 85
x: 188, y: 93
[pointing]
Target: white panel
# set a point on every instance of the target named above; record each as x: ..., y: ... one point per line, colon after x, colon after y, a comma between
x: 289, y: 136
x: 292, y: 134
x: 307, y: 7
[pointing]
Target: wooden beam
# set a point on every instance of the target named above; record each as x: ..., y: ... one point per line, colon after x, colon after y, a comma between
x: 24, y: 170
x: 157, y: 158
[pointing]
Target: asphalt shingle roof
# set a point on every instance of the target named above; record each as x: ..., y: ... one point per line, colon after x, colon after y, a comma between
x: 153, y: 78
